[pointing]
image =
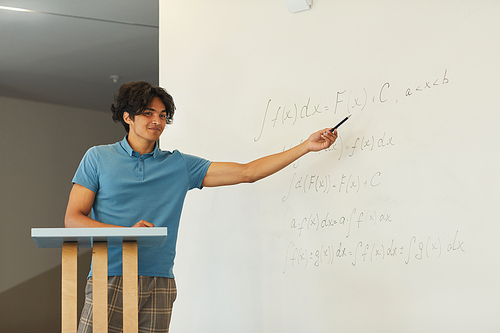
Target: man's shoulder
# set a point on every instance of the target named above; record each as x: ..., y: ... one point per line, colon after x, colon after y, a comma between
x: 112, y: 148
x: 168, y: 155
x: 106, y: 153
x: 178, y: 155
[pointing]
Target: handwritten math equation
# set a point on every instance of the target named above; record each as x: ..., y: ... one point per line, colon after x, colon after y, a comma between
x: 410, y: 251
x: 352, y: 237
x: 348, y: 223
x: 348, y: 100
x: 364, y: 144
x: 305, y: 183
x: 358, y: 145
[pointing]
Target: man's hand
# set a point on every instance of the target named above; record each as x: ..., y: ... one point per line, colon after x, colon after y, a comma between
x: 321, y: 139
x: 143, y: 224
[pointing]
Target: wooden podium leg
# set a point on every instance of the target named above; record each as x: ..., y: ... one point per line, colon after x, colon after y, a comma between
x: 130, y: 280
x: 69, y: 287
x: 100, y: 287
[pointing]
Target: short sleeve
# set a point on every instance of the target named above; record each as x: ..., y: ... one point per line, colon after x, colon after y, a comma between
x: 87, y: 172
x: 197, y: 168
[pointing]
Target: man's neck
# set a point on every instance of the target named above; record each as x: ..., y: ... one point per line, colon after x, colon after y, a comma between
x: 141, y: 146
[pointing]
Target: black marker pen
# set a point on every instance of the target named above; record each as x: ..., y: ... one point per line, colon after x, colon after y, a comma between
x: 337, y: 126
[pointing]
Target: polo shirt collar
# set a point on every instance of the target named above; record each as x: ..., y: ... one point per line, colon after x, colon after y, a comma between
x: 126, y: 146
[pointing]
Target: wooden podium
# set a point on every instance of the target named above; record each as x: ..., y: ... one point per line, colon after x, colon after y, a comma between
x: 69, y: 239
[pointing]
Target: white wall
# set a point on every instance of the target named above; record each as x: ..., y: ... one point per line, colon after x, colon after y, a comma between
x: 420, y: 80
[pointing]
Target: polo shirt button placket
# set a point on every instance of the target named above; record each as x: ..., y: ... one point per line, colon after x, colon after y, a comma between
x: 140, y: 167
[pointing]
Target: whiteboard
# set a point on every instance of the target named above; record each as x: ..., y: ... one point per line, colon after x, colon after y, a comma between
x: 393, y: 229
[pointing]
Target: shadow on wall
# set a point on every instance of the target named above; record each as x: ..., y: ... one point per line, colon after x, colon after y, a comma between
x: 43, y: 294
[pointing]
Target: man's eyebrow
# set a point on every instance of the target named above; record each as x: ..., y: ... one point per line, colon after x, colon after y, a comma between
x: 151, y: 109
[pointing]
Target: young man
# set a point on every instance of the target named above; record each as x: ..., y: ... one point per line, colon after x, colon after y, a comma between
x: 132, y: 183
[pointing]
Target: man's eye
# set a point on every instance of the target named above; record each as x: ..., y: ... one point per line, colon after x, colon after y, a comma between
x: 164, y: 116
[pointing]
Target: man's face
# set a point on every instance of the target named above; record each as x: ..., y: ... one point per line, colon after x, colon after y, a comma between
x: 148, y: 125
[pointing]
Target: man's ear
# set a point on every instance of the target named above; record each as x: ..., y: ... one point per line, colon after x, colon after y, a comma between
x: 126, y: 118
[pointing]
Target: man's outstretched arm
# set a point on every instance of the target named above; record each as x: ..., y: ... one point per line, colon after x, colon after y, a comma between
x: 228, y: 173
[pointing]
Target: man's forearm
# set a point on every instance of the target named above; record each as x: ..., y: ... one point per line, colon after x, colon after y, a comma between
x: 268, y: 165
x: 77, y: 220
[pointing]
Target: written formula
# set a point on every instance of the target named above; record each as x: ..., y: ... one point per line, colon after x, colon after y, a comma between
x: 365, y: 144
x: 350, y: 101
x: 356, y: 146
x: 355, y: 220
x: 412, y: 250
x: 323, y: 184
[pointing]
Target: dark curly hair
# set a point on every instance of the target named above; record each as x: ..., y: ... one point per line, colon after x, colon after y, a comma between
x: 135, y: 97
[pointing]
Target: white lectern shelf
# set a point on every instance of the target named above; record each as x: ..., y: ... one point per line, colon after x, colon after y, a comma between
x: 55, y: 237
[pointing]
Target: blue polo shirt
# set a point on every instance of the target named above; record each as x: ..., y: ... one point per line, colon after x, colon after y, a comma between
x: 130, y: 187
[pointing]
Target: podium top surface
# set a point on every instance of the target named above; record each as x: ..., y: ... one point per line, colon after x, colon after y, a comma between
x: 55, y: 237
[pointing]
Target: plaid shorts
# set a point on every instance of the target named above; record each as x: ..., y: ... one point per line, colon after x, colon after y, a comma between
x: 156, y: 298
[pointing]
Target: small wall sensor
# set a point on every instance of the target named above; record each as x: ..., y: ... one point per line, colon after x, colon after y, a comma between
x: 298, y: 5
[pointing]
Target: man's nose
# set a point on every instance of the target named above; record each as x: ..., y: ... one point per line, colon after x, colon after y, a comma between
x: 156, y: 120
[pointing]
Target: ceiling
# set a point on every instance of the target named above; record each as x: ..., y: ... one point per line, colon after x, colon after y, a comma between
x: 65, y: 52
